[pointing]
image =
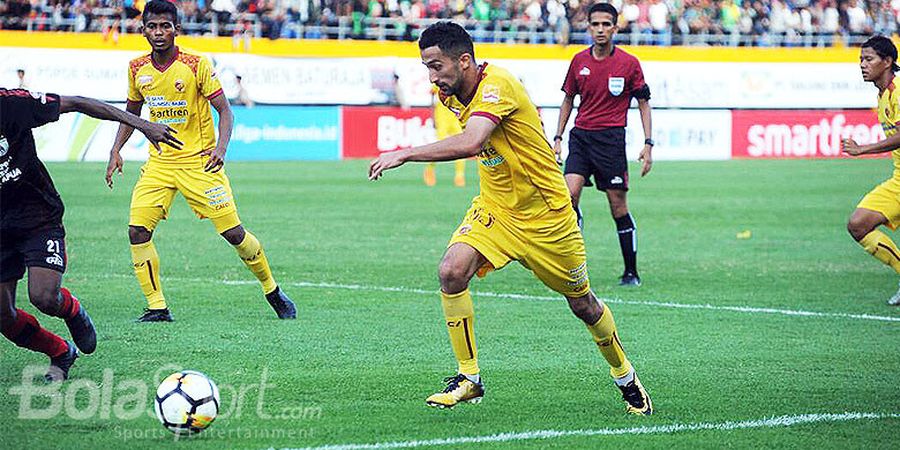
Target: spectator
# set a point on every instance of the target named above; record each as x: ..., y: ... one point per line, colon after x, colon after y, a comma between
x: 857, y: 20
x: 23, y: 84
x: 242, y: 97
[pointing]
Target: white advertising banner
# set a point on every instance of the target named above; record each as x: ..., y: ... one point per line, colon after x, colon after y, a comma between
x: 679, y: 135
x: 362, y: 81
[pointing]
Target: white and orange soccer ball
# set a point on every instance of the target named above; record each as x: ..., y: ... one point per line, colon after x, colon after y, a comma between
x: 187, y: 402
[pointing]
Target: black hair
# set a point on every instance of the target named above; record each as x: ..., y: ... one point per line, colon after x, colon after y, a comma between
x: 452, y: 39
x: 604, y: 8
x: 884, y: 48
x: 160, y: 7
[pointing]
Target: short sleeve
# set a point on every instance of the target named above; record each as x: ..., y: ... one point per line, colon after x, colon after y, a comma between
x: 23, y: 109
x: 570, y: 85
x: 636, y: 81
x: 210, y: 87
x: 497, y: 100
x: 134, y: 95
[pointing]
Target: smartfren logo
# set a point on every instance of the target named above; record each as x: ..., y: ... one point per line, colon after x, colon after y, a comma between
x: 823, y: 138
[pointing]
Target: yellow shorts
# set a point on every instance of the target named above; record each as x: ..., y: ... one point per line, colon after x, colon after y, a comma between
x: 885, y: 199
x: 208, y: 194
x: 550, y: 245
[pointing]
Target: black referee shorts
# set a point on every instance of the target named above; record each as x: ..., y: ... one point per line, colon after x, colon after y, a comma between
x: 600, y: 154
x: 40, y: 248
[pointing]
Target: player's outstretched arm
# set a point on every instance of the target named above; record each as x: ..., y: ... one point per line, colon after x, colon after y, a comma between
x: 646, y: 156
x: 463, y: 145
x: 156, y: 133
x: 226, y: 123
x: 889, y: 144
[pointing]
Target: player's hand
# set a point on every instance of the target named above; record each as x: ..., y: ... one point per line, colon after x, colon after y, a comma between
x: 115, y: 165
x: 385, y: 161
x: 216, y: 159
x: 646, y: 159
x: 557, y: 150
x: 850, y: 147
x: 158, y: 133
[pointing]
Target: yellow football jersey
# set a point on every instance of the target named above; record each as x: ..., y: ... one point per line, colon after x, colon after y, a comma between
x: 889, y: 116
x: 178, y: 95
x: 517, y: 167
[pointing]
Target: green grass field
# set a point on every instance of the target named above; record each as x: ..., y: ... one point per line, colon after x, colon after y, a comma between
x: 360, y: 259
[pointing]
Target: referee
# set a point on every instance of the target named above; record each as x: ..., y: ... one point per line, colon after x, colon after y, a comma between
x: 606, y: 78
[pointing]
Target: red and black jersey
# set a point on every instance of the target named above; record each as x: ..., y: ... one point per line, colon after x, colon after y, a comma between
x: 606, y: 88
x: 28, y: 199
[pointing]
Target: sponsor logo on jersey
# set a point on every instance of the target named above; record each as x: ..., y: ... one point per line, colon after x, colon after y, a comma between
x: 490, y: 94
x: 584, y: 71
x: 145, y: 79
x: 39, y: 96
x: 167, y: 111
x: 616, y: 85
x: 179, y: 85
x: 4, y: 146
x: 55, y: 260
x: 489, y: 157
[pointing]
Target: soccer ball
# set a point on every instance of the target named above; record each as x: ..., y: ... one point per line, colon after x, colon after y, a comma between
x: 187, y: 402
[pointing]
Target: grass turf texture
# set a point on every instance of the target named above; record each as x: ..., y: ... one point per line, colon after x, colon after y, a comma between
x: 357, y: 365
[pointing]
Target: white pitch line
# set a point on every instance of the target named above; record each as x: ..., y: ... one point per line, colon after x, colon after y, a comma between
x: 741, y: 309
x: 706, y: 306
x: 773, y: 422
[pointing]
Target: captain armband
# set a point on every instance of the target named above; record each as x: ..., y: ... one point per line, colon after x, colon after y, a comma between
x: 643, y: 93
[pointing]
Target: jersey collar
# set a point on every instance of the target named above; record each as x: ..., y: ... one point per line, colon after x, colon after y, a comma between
x: 481, y: 76
x: 164, y: 67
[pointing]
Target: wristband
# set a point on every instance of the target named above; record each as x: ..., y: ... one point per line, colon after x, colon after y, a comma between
x: 558, y: 137
x: 649, y: 142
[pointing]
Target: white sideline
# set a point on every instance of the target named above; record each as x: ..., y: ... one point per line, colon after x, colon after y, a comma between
x: 781, y: 421
x: 742, y: 309
x: 739, y: 309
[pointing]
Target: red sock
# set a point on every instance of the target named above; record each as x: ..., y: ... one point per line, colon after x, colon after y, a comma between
x: 70, y: 306
x: 26, y: 332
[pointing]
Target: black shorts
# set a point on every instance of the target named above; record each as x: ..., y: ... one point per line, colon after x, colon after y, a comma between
x: 600, y: 154
x: 41, y: 248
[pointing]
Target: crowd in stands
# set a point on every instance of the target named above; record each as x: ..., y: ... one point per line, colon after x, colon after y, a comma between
x: 663, y: 22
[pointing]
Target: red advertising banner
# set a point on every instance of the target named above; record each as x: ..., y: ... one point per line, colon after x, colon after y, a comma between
x: 368, y: 131
x: 801, y: 134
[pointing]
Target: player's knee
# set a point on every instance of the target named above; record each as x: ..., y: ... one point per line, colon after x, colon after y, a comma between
x: 585, y: 308
x: 45, y: 299
x: 453, y: 277
x: 858, y: 228
x: 138, y: 234
x: 235, y: 235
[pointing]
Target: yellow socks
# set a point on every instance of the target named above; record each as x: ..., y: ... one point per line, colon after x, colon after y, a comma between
x: 146, y: 269
x: 251, y: 252
x: 460, y: 314
x: 604, y: 333
x: 882, y: 248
